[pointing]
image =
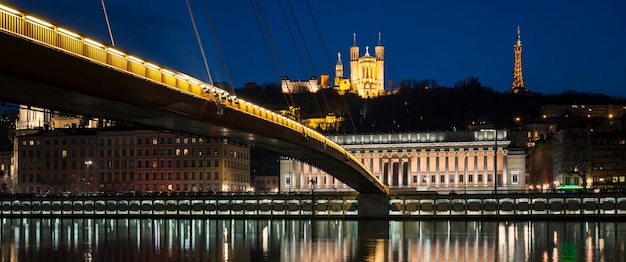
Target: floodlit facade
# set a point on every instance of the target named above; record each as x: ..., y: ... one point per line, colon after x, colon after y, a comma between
x: 92, y: 160
x: 367, y: 72
x: 433, y: 161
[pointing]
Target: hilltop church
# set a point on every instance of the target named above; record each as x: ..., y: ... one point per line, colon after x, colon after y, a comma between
x: 367, y: 75
x: 367, y: 72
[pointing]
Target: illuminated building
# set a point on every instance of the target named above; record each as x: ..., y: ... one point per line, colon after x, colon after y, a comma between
x: 367, y: 75
x: 367, y: 72
x: 608, y: 157
x: 604, y: 112
x: 518, y: 79
x: 432, y: 161
x: 89, y: 160
x: 328, y: 123
x: 289, y: 86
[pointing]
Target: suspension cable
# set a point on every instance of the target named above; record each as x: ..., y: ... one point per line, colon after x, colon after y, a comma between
x: 271, y: 43
x: 106, y: 17
x: 195, y: 29
x: 219, y: 48
x: 329, y: 63
x: 307, y: 50
x: 293, y: 40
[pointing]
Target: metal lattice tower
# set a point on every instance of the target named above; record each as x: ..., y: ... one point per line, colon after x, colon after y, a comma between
x: 518, y: 79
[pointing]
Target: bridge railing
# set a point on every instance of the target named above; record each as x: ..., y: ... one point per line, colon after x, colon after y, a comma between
x: 42, y: 32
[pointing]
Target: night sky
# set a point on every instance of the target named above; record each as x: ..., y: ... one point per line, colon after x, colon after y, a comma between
x: 567, y: 45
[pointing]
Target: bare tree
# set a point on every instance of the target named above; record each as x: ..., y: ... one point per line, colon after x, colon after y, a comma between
x: 573, y: 153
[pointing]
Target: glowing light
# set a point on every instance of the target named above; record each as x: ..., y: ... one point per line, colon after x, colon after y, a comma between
x: 135, y: 59
x: 10, y: 10
x: 153, y: 66
x: 182, y: 76
x: 93, y: 43
x: 167, y: 72
x: 116, y: 52
x: 68, y: 33
x: 38, y: 21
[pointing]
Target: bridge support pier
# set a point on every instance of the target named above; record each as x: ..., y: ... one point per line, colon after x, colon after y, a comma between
x: 374, y: 206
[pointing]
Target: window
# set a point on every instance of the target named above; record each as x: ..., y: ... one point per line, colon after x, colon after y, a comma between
x: 480, y: 178
x: 460, y: 178
x: 442, y: 178
x: 515, y: 177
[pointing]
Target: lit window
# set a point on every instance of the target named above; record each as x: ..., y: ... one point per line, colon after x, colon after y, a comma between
x: 514, y: 177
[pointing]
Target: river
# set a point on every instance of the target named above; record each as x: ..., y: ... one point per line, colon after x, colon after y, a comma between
x: 93, y: 239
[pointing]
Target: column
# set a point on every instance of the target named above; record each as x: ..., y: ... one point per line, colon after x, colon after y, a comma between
x: 505, y: 169
x: 485, y: 167
x: 400, y: 170
x: 446, y: 162
x: 389, y: 171
x: 409, y: 175
x: 456, y: 168
x: 475, y: 169
x: 437, y: 168
x: 428, y: 175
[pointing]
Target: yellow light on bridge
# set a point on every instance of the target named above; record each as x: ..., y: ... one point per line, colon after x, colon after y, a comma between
x: 38, y: 21
x: 153, y: 66
x: 116, y: 52
x: 10, y: 10
x: 68, y: 33
x: 93, y: 43
x: 167, y: 72
x: 182, y: 77
x: 135, y: 59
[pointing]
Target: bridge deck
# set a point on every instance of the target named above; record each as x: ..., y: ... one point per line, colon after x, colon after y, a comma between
x: 47, y: 66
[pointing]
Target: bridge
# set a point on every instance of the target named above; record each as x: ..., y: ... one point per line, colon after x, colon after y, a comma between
x: 48, y: 66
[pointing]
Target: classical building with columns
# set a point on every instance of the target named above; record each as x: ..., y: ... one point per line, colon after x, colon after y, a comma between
x: 461, y: 161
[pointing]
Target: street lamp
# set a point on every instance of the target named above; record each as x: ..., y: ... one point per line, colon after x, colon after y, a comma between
x: 495, y: 158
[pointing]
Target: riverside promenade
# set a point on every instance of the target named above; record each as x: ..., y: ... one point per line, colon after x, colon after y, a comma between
x: 402, y: 205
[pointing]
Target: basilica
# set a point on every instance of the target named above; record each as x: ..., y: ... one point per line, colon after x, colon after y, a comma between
x: 367, y: 75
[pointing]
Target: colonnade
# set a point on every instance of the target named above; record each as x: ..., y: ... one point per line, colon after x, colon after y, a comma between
x: 455, y: 166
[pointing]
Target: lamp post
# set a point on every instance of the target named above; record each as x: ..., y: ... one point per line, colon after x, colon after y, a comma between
x: 495, y: 158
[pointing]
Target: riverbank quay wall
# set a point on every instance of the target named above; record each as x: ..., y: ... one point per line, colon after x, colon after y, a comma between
x: 409, y: 206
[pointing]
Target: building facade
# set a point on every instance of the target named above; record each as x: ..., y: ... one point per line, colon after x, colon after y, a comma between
x: 367, y: 72
x: 108, y: 160
x: 434, y: 161
x: 289, y: 86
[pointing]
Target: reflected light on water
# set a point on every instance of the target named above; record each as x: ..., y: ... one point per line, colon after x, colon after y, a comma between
x: 302, y: 240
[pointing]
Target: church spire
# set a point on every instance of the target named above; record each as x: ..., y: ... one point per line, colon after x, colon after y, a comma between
x: 518, y: 80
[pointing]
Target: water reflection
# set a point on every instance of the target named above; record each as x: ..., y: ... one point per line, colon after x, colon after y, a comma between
x: 301, y: 240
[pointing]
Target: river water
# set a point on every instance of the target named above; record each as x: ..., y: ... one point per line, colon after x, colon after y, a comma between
x: 66, y: 239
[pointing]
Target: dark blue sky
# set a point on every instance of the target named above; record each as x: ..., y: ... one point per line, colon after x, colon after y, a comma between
x: 567, y: 45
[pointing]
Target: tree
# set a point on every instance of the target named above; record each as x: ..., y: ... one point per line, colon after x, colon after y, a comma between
x: 573, y: 153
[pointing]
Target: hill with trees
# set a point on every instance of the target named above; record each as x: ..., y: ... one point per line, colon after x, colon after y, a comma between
x: 421, y: 105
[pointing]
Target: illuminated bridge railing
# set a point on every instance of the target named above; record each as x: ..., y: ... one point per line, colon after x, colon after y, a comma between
x: 39, y: 31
